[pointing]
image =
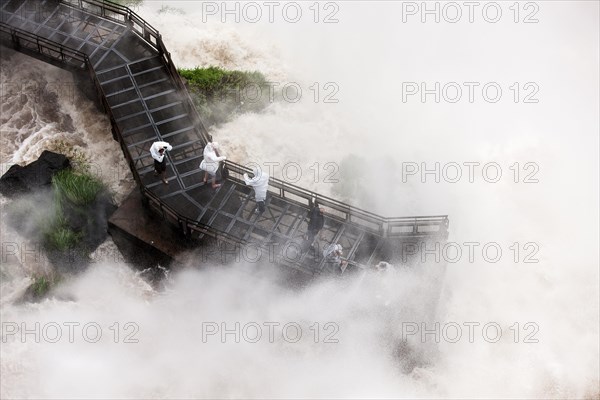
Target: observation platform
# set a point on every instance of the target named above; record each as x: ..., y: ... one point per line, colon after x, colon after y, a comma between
x: 146, y: 100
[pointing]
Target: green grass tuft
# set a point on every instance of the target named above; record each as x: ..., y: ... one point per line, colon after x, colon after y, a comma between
x: 40, y: 286
x: 61, y: 237
x: 219, y: 94
x: 79, y: 188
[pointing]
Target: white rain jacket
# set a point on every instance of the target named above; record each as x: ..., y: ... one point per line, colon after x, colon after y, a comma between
x: 156, y: 146
x: 330, y: 253
x: 211, y: 161
x: 260, y: 183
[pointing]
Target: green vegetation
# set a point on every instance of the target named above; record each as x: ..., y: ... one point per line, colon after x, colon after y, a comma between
x: 79, y: 188
x: 40, y: 286
x: 219, y: 94
x: 73, y: 191
x: 79, y: 160
x: 59, y: 236
x: 214, y: 80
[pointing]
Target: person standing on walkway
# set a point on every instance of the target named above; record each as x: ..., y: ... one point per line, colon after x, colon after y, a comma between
x: 210, y: 163
x: 333, y: 255
x: 158, y: 150
x: 316, y: 220
x: 259, y: 180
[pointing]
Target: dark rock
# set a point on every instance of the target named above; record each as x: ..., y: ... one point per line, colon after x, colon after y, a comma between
x: 69, y: 261
x: 89, y: 222
x: 18, y: 180
x: 96, y: 223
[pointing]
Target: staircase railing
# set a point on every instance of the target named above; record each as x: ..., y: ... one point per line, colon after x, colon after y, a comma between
x: 386, y: 227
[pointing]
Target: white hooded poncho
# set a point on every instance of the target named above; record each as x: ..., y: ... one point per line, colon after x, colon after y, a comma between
x: 156, y: 146
x: 211, y: 161
x: 260, y: 183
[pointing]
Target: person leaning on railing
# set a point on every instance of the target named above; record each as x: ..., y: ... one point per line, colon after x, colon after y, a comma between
x: 211, y: 161
x: 333, y: 255
x: 316, y: 220
x: 259, y: 180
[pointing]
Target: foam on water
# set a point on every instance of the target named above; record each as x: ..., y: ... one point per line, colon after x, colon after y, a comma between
x: 369, y: 127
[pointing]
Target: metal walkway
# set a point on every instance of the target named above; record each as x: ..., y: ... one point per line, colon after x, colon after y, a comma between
x: 146, y: 101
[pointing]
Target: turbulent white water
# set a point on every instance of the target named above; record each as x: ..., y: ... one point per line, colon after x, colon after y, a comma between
x: 372, y: 136
x: 43, y: 108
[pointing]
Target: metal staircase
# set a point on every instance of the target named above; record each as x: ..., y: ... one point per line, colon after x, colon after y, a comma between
x: 146, y: 101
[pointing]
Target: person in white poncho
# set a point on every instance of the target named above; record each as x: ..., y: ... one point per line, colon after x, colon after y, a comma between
x: 210, y: 163
x: 260, y: 182
x: 158, y: 150
x: 333, y: 255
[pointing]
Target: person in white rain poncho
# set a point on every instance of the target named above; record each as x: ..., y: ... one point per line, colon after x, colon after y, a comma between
x: 210, y: 163
x: 333, y: 255
x: 260, y: 182
x: 158, y: 150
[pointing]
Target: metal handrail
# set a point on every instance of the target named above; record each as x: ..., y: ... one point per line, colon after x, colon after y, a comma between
x: 385, y: 224
x: 382, y: 225
x: 19, y: 35
x: 129, y: 16
x: 346, y: 209
x: 147, y: 30
x: 118, y: 134
x: 189, y: 224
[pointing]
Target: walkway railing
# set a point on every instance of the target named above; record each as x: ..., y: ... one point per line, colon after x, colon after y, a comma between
x: 386, y: 227
x: 151, y: 36
x: 118, y: 13
x: 37, y: 44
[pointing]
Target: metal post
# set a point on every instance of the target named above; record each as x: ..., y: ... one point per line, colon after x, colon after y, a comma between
x: 160, y: 44
x: 15, y: 39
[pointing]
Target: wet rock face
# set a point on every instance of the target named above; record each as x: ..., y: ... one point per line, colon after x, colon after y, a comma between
x: 34, y: 209
x: 91, y: 223
x: 20, y: 180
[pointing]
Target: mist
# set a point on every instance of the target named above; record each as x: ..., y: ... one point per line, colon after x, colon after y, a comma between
x: 372, y: 137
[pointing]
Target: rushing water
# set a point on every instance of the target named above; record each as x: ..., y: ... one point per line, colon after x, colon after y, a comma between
x: 547, y: 310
